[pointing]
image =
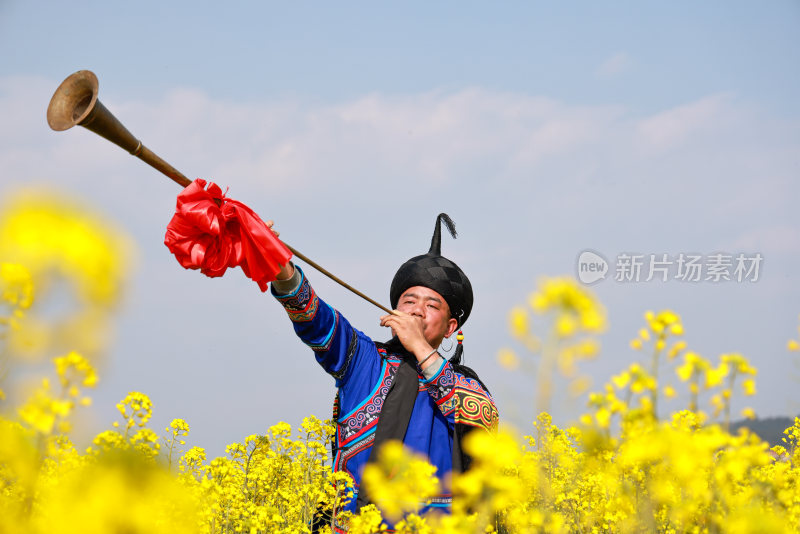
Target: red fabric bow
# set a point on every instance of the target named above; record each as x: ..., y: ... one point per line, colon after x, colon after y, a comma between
x: 211, y: 232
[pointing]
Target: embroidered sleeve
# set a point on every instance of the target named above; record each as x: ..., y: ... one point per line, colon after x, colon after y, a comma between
x: 331, y: 337
x: 462, y: 400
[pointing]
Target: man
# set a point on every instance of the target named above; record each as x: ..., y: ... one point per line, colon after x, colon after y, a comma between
x: 403, y: 389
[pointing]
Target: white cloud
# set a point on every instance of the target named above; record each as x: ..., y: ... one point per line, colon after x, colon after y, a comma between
x: 671, y: 127
x: 421, y: 138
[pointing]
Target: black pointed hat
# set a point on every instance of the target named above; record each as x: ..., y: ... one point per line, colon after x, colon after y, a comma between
x: 434, y: 271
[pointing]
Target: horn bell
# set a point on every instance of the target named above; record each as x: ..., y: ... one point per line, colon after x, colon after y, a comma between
x: 73, y: 101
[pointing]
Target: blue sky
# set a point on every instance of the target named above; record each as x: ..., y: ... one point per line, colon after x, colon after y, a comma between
x: 673, y: 51
x: 544, y: 129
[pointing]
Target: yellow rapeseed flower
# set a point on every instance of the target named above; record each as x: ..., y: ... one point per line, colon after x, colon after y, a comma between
x: 16, y: 294
x: 634, y: 474
x: 518, y: 320
x: 74, y: 368
x: 568, y: 298
x: 739, y: 363
x: 45, y: 231
x: 748, y: 413
x: 793, y: 344
x: 368, y: 521
x: 400, y: 481
x: 621, y: 380
x: 715, y: 376
x: 508, y: 359
x: 60, y: 241
x: 676, y: 348
x: 17, y: 286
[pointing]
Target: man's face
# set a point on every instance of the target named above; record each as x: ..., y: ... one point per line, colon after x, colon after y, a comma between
x: 431, y: 307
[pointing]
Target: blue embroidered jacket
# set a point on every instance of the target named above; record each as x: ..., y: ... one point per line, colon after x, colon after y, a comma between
x: 364, y: 374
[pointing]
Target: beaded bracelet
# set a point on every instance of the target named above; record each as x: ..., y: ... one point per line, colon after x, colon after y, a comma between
x: 428, y: 357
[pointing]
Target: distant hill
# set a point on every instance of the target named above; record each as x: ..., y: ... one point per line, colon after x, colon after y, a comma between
x: 769, y: 429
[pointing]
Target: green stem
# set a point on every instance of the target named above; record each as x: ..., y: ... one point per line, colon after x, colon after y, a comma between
x: 654, y: 372
x: 545, y: 378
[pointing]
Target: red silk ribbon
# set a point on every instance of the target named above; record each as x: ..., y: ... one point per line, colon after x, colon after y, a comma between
x: 211, y: 232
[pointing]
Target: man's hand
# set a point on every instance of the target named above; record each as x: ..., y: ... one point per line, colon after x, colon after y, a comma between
x: 287, y: 270
x: 409, y: 329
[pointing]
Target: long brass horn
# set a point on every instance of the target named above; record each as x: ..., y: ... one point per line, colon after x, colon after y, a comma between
x: 75, y: 103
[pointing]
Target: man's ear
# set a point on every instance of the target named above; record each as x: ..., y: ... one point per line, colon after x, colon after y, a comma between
x: 452, y: 325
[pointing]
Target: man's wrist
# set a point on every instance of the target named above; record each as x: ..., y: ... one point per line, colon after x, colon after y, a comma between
x: 427, y: 360
x: 289, y: 285
x: 422, y: 351
x: 286, y: 272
